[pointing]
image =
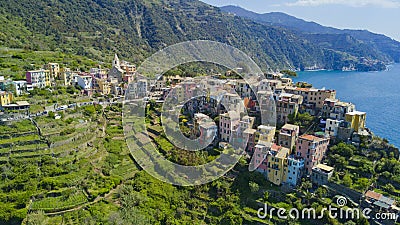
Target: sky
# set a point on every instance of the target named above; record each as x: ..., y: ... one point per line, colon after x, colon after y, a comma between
x: 378, y: 16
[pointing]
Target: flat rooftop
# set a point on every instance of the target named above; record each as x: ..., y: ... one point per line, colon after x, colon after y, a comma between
x: 356, y: 113
x: 324, y: 168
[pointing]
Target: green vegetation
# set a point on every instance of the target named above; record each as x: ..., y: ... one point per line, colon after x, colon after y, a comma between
x: 136, y: 29
x: 359, y: 168
x: 50, y: 204
x: 289, y: 73
x: 15, y: 62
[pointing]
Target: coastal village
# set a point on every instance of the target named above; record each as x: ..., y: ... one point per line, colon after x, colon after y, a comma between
x: 283, y: 152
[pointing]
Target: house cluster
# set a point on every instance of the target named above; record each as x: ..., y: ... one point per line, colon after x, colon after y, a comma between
x: 380, y: 203
x: 284, y: 156
x: 97, y: 80
x: 8, y: 90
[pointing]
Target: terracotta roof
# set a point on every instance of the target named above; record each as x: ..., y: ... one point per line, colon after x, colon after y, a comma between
x: 303, y: 89
x: 373, y: 195
x: 310, y: 137
x: 281, y: 152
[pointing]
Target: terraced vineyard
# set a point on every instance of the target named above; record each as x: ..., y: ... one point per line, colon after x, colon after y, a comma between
x: 60, y: 166
x: 54, y: 204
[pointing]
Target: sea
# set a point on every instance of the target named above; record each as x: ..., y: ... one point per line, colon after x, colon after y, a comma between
x: 376, y: 93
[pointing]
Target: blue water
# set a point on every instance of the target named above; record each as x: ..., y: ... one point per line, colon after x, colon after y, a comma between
x: 376, y: 93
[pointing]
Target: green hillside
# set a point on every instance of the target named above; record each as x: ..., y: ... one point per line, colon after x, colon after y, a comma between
x: 135, y: 29
x: 360, y: 43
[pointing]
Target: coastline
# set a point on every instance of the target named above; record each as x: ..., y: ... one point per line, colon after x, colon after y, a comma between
x: 370, y: 91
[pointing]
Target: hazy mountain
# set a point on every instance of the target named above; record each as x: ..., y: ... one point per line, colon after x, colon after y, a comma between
x: 136, y: 28
x: 338, y: 39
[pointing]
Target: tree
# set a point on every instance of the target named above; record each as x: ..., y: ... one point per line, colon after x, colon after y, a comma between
x: 338, y: 161
x: 289, y: 73
x: 51, y: 115
x: 363, y: 183
x: 344, y: 150
x: 266, y: 196
x: 36, y: 218
x: 374, y: 156
x: 321, y: 192
x: 389, y: 187
x: 254, y: 187
x: 306, y: 185
x: 347, y: 181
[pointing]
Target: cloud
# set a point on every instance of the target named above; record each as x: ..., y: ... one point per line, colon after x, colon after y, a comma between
x: 353, y: 3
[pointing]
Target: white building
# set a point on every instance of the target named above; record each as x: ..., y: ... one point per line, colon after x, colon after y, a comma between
x: 332, y: 127
x: 20, y: 87
x: 85, y: 82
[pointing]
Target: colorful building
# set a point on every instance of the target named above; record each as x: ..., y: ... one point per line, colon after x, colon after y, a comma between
x: 38, y: 78
x: 332, y: 127
x: 312, y: 149
x: 277, y: 159
x: 5, y: 98
x: 228, y: 123
x: 20, y: 87
x: 295, y: 170
x: 357, y: 120
x: 259, y: 160
x: 286, y: 105
x: 321, y: 174
x: 54, y: 70
x: 336, y: 109
x: 288, y: 135
x: 318, y: 96
x: 266, y: 133
x: 103, y: 86
x: 68, y: 77
x: 99, y: 73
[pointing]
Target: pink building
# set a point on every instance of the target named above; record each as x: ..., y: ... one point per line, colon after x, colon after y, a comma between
x: 312, y: 149
x: 260, y: 157
x: 251, y: 139
x: 228, y: 122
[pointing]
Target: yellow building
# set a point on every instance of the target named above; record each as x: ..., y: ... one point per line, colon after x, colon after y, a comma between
x: 54, y: 70
x: 265, y: 133
x: 5, y: 98
x: 68, y: 76
x: 277, y: 164
x: 357, y: 120
x: 104, y: 87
